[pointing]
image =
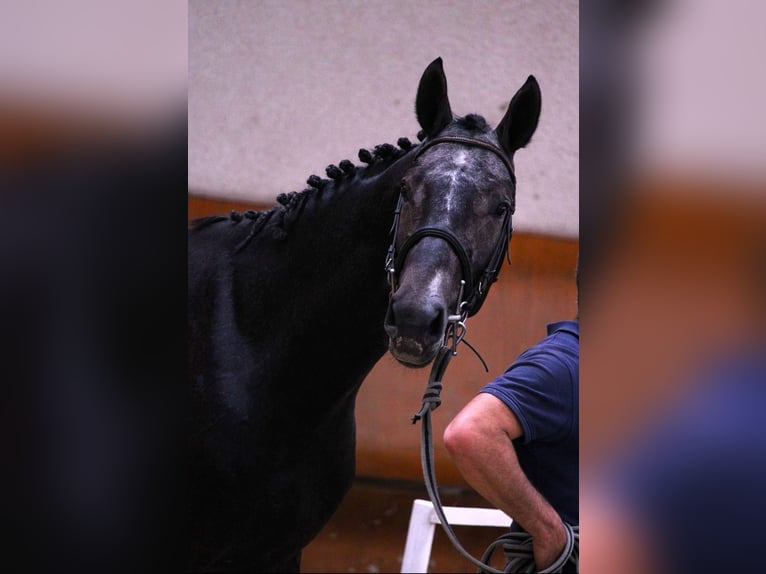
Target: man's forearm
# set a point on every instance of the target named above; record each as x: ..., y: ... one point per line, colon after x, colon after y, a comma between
x: 480, y: 440
x: 492, y: 469
x: 494, y: 472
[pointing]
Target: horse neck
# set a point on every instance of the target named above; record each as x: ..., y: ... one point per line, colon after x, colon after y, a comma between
x: 349, y: 223
x: 326, y: 289
x: 355, y: 217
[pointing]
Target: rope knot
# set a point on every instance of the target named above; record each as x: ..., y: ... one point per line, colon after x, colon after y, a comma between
x: 431, y: 400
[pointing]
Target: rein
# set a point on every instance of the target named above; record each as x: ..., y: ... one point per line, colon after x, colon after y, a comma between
x: 516, y: 545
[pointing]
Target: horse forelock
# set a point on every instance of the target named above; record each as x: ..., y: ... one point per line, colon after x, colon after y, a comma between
x: 473, y: 122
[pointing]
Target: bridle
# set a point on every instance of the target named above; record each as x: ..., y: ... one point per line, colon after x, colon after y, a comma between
x: 516, y: 545
x: 473, y: 294
x: 470, y: 299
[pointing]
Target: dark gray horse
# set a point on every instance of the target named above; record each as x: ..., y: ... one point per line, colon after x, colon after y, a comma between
x: 288, y: 314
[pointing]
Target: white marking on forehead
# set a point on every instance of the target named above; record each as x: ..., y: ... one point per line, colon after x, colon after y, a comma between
x: 459, y: 161
x: 434, y: 286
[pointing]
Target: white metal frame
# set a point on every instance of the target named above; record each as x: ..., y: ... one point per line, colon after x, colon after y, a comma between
x: 423, y: 521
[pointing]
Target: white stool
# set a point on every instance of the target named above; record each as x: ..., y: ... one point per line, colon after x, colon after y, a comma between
x: 423, y: 521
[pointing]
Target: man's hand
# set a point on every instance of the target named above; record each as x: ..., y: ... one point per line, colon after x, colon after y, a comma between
x: 548, y: 545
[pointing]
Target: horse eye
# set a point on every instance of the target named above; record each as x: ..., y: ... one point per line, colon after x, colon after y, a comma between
x: 502, y: 208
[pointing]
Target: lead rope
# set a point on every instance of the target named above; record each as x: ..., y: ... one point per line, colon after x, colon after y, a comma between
x: 517, y: 546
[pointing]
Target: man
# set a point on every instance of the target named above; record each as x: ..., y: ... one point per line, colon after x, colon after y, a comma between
x: 516, y: 442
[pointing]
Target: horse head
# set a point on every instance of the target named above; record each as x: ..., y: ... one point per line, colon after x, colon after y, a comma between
x: 453, y: 221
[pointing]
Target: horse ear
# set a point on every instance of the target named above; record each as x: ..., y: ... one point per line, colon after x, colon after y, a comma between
x: 520, y: 121
x: 432, y: 105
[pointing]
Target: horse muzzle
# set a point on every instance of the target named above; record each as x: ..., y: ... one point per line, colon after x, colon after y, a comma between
x: 415, y: 330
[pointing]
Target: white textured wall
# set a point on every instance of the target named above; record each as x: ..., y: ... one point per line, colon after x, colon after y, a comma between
x: 279, y: 89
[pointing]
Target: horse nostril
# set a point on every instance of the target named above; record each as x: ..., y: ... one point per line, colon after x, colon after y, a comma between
x: 421, y: 322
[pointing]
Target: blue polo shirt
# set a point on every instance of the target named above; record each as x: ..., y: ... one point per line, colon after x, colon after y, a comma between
x: 541, y: 387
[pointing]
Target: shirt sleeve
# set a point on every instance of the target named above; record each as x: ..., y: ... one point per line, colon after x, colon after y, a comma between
x: 537, y: 387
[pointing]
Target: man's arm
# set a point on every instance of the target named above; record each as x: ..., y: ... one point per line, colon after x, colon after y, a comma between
x: 479, y: 441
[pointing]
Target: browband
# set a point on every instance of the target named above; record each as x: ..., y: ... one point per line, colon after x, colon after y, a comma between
x: 471, y: 142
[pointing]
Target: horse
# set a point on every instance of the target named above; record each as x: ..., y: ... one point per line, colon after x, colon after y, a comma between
x: 291, y: 307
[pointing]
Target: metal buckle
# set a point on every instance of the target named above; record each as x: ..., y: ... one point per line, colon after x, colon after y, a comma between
x: 389, y: 268
x: 456, y: 328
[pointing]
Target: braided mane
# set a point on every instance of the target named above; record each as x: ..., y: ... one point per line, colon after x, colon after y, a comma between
x: 290, y: 205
